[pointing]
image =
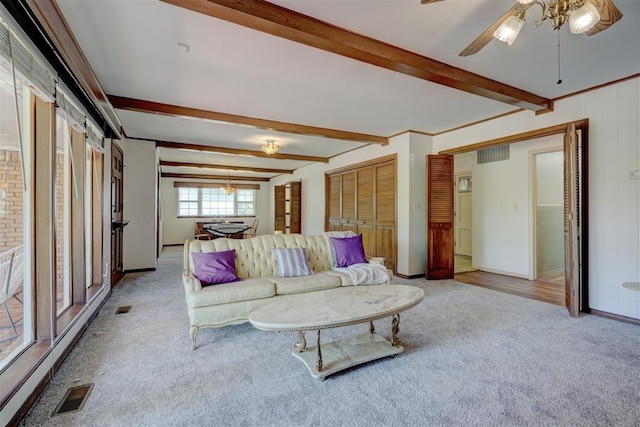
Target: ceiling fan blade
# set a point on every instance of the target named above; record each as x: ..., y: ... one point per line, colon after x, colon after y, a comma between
x: 429, y: 1
x: 487, y: 35
x: 609, y: 15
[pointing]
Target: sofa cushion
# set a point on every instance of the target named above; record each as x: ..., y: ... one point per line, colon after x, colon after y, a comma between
x: 248, y: 289
x: 349, y: 250
x: 295, y: 285
x: 212, y: 268
x: 292, y: 262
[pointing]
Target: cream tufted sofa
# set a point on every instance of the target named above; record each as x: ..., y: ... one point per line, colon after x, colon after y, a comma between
x: 232, y: 303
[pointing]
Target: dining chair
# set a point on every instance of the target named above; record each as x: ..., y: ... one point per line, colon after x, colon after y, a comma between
x: 199, y: 233
x: 11, y: 275
x: 253, y: 230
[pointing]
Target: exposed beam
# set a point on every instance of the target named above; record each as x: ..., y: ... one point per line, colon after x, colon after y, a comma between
x: 252, y: 153
x: 51, y: 19
x: 151, y: 107
x: 218, y: 177
x: 276, y: 20
x: 225, y: 167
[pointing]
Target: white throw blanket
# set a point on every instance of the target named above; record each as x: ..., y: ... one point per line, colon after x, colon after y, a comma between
x: 365, y: 273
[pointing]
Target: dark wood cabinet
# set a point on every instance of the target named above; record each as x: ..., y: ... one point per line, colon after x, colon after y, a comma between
x: 362, y: 198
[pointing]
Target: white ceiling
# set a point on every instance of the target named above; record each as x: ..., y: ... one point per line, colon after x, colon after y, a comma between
x: 133, y: 48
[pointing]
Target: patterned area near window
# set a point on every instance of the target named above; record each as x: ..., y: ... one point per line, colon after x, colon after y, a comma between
x: 215, y: 202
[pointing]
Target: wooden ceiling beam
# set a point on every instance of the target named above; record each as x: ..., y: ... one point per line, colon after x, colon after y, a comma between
x: 151, y: 107
x: 225, y: 167
x: 50, y: 17
x: 225, y: 150
x: 217, y: 177
x: 279, y: 21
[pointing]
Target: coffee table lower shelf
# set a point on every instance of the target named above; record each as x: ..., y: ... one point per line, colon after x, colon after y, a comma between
x: 347, y: 352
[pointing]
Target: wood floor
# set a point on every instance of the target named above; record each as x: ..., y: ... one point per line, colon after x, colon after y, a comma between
x: 534, y: 289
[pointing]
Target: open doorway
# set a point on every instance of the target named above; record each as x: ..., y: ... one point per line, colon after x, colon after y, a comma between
x: 463, y: 213
x: 548, y: 216
x: 503, y: 240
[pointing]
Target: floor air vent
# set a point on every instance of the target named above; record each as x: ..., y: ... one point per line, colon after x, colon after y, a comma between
x: 123, y: 309
x: 73, y: 400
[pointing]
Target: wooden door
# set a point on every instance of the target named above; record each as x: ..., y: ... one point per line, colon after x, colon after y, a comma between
x: 295, y: 205
x: 572, y: 219
x: 385, y: 212
x: 349, y: 201
x: 280, y: 203
x: 440, y: 256
x: 365, y: 220
x: 117, y: 224
x: 334, y: 202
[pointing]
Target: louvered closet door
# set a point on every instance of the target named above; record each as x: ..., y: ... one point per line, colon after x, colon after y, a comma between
x: 385, y: 212
x: 364, y: 209
x: 295, y: 220
x: 280, y: 209
x: 440, y: 257
x: 572, y: 220
x: 334, y: 217
x: 349, y: 201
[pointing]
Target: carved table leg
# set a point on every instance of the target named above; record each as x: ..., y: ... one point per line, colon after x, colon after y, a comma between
x: 395, y: 328
x: 372, y: 329
x: 319, y: 364
x: 301, y: 345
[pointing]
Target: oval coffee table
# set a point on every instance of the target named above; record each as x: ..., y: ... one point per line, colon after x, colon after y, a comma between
x: 334, y: 308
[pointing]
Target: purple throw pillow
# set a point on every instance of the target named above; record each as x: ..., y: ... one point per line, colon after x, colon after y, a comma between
x: 349, y: 250
x: 212, y: 268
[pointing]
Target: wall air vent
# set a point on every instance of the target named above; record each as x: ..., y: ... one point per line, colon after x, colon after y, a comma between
x: 493, y: 154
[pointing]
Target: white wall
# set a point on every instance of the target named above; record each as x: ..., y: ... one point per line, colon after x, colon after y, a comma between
x: 550, y: 191
x: 410, y: 196
x: 614, y: 199
x: 414, y: 252
x: 177, y: 230
x: 140, y: 188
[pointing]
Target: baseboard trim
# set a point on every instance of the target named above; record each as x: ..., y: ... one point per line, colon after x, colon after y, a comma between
x: 612, y: 316
x: 411, y: 276
x: 503, y: 273
x: 139, y: 270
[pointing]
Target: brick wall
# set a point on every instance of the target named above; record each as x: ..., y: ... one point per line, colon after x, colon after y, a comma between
x: 11, y: 200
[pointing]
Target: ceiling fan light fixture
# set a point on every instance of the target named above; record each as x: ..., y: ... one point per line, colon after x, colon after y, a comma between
x: 509, y: 29
x: 583, y: 18
x: 270, y: 147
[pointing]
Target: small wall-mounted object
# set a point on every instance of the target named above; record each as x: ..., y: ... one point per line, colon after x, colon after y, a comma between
x: 634, y: 174
x: 464, y: 184
x: 634, y: 286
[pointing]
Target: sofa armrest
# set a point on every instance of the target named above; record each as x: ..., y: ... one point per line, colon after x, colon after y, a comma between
x: 191, y: 283
x: 375, y: 260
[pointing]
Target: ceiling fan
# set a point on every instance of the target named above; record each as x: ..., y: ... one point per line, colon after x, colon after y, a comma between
x: 584, y: 16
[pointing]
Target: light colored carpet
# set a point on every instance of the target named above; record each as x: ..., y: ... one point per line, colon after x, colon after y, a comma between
x: 473, y: 357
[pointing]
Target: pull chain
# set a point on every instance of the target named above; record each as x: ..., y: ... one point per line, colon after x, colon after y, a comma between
x: 559, y: 79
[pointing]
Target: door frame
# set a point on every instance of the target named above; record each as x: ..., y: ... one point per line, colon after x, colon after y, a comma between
x: 581, y: 126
